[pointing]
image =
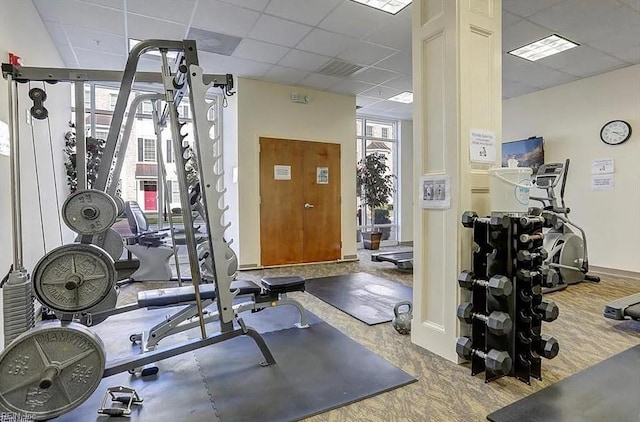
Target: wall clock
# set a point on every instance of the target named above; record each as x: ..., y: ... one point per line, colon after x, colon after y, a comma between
x: 615, y: 132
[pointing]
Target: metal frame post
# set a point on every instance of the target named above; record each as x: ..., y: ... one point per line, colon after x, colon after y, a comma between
x: 81, y: 143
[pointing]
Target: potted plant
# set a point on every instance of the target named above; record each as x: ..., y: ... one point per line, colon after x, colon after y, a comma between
x: 375, y: 185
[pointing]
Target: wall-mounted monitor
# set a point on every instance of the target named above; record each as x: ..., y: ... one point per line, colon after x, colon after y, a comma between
x: 529, y: 152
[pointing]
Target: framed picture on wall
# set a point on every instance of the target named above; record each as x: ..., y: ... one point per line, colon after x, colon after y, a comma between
x: 529, y: 152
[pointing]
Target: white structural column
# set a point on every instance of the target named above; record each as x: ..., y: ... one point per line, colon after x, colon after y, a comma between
x: 457, y: 70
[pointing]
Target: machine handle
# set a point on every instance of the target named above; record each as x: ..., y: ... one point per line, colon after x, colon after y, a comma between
x: 308, y: 206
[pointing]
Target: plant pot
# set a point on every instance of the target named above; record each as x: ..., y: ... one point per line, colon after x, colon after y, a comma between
x: 371, y: 240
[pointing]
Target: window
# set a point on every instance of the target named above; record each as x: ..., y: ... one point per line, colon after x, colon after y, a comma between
x: 102, y: 134
x: 175, y: 192
x: 113, y: 99
x: 183, y: 111
x: 87, y: 97
x: 146, y: 150
x: 145, y: 107
x: 380, y: 140
x: 169, y: 151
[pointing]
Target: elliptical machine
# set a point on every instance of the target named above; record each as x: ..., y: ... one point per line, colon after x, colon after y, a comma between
x: 567, y: 251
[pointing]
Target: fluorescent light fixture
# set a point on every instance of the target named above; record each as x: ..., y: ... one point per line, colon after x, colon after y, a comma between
x: 405, y: 97
x: 545, y: 47
x: 170, y: 54
x: 389, y: 6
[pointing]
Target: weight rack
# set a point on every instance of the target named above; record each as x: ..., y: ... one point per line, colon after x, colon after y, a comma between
x: 510, y: 246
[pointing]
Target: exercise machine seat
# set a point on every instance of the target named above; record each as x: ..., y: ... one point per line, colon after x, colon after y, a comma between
x: 283, y: 284
x: 623, y: 308
x: 185, y: 294
x: 139, y: 226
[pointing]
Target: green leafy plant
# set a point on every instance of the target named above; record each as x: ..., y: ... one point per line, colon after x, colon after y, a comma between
x: 95, y: 149
x: 375, y: 184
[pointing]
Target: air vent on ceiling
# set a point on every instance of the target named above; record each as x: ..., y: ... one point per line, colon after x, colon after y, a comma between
x: 339, y: 69
x: 214, y: 42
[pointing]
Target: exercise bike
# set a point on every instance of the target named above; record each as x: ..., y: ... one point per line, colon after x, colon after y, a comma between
x: 567, y: 251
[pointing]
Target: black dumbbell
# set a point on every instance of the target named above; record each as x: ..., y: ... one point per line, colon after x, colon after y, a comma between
x: 526, y: 295
x: 547, y: 310
x: 498, y: 285
x: 498, y: 323
x: 497, y: 361
x: 526, y: 256
x: 527, y: 221
x: 548, y: 347
x: 468, y: 218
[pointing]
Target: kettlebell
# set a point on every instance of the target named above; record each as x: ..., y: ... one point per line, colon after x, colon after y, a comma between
x: 402, y: 320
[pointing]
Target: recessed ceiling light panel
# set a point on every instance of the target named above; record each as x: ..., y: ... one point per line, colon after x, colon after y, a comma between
x: 405, y: 97
x: 389, y: 6
x: 545, y: 47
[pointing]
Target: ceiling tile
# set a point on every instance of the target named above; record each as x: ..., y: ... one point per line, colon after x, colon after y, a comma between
x: 354, y: 19
x: 319, y: 81
x: 285, y: 75
x: 396, y: 35
x: 522, y: 33
x: 58, y: 33
x: 399, y: 62
x: 509, y: 19
x: 91, y: 59
x: 349, y: 87
x: 511, y: 64
x: 603, y: 25
x: 114, y: 4
x: 625, y: 39
x: 404, y: 82
x: 364, y: 53
x: 629, y: 55
x: 572, y: 12
x: 635, y: 4
x: 540, y: 76
x: 242, y: 67
x: 365, y: 101
x: 219, y: 16
x: 303, y: 60
x: 278, y: 31
x: 525, y: 8
x: 323, y: 42
x: 94, y: 40
x: 376, y: 76
x: 512, y: 89
x: 142, y: 28
x: 68, y: 56
x: 81, y: 15
x: 581, y: 61
x: 258, y: 5
x: 163, y: 9
x: 213, y: 63
x: 381, y: 92
x: 309, y: 12
x: 260, y: 51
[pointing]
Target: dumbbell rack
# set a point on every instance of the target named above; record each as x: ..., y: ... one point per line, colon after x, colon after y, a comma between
x: 501, y: 250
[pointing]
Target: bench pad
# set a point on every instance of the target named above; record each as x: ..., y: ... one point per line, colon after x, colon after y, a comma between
x: 283, y: 284
x: 177, y: 295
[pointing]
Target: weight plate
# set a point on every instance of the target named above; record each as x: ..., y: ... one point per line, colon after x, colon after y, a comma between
x: 73, y: 278
x: 91, y: 317
x: 89, y: 211
x: 119, y: 204
x: 110, y: 241
x: 50, y: 370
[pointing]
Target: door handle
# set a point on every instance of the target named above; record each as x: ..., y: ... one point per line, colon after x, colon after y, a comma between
x: 308, y: 206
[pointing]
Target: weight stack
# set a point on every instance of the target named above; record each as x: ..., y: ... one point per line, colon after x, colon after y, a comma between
x: 18, y: 309
x: 509, y: 246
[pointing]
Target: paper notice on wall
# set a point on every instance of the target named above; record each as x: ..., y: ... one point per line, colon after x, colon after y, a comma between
x: 282, y: 172
x: 4, y: 139
x: 435, y: 192
x: 602, y: 166
x: 602, y: 182
x: 482, y: 146
x: 322, y: 175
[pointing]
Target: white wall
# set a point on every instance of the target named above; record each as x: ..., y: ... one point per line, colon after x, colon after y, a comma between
x: 230, y: 166
x: 406, y: 181
x: 36, y: 49
x: 569, y: 117
x: 265, y: 110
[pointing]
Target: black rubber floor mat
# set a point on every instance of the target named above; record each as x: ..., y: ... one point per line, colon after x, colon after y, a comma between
x: 363, y: 296
x: 608, y: 391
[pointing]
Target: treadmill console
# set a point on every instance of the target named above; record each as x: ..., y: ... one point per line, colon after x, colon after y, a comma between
x: 548, y: 175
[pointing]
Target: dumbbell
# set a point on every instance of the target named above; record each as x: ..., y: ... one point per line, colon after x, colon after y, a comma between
x: 548, y: 347
x: 498, y: 323
x: 526, y: 238
x: 498, y: 285
x: 526, y: 256
x: 526, y: 295
x: 527, y: 221
x: 497, y: 361
x: 547, y: 310
x: 550, y: 277
x: 468, y: 218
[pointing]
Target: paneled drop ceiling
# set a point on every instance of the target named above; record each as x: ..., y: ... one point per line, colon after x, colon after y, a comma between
x: 293, y: 41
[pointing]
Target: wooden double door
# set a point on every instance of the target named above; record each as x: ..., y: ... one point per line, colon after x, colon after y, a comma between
x: 300, y: 209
